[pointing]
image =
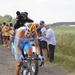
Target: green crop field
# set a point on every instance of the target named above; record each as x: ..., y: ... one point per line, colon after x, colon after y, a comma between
x: 65, y: 48
x: 64, y: 29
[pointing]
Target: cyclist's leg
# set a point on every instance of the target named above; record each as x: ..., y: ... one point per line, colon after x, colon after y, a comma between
x: 17, y: 68
x: 28, y: 49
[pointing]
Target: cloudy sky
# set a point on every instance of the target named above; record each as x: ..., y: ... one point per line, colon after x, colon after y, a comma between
x: 48, y: 10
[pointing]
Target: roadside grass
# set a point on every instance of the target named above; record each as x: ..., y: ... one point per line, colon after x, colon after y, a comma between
x: 66, y: 44
x: 66, y: 63
x: 65, y: 47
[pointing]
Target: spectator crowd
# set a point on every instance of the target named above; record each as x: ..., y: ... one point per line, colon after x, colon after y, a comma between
x: 6, y: 34
x: 46, y: 38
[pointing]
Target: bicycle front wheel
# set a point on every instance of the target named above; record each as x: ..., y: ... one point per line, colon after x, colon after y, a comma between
x: 35, y: 66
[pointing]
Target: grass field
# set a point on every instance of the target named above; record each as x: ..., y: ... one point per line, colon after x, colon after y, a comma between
x: 64, y: 29
x: 65, y: 48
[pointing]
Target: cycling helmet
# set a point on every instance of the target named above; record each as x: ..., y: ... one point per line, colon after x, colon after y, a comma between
x: 31, y: 27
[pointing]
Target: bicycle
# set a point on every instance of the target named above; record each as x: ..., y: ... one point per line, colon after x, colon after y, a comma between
x: 26, y: 67
x: 30, y: 65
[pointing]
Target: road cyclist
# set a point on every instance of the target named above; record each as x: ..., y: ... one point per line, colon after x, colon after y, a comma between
x: 22, y: 43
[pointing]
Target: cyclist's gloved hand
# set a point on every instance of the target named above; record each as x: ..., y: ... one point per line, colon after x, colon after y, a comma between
x: 41, y: 57
x: 21, y: 57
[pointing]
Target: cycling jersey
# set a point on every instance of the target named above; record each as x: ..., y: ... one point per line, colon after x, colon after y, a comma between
x: 20, y: 34
x: 24, y: 42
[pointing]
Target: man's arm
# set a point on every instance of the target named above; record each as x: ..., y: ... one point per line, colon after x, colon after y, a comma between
x: 17, y: 47
x: 45, y: 36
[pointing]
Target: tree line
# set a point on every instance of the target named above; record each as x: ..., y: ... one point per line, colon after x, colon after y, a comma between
x: 62, y: 23
x: 8, y: 19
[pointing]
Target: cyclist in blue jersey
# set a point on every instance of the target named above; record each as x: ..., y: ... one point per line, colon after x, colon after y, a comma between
x: 22, y: 42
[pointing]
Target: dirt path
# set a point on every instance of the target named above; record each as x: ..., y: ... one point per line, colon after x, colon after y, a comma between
x: 7, y: 65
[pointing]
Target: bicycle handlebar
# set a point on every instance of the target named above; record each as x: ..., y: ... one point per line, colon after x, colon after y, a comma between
x: 42, y: 63
x: 31, y: 58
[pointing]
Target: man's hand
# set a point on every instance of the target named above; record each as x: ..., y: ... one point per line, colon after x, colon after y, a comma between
x: 21, y: 57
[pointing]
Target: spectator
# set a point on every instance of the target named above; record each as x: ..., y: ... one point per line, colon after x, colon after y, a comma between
x: 7, y: 29
x: 43, y: 40
x: 11, y: 34
x: 0, y: 34
x: 3, y: 34
x: 50, y: 36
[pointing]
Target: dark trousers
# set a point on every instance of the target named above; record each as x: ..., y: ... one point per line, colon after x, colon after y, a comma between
x: 51, y: 52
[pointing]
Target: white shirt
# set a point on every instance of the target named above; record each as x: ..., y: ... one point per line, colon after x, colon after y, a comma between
x: 51, y: 37
x: 11, y: 32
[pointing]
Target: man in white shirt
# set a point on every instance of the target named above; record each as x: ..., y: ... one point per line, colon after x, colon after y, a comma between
x: 51, y: 40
